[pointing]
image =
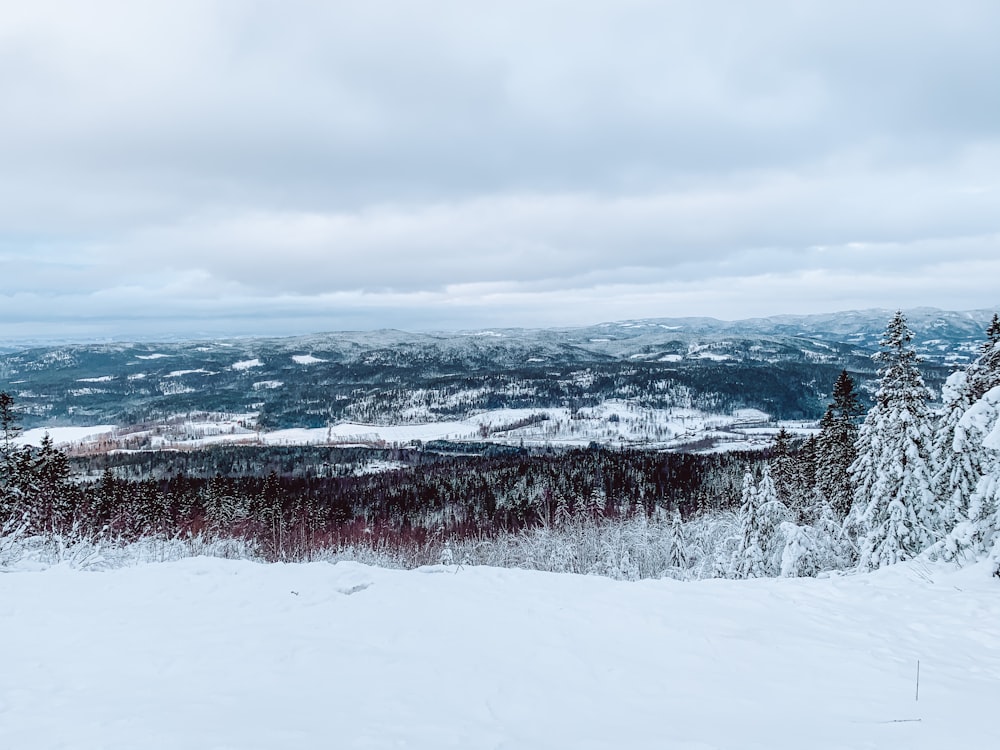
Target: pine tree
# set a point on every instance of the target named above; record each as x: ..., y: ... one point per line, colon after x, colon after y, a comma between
x: 595, y: 502
x: 806, y: 466
x: 760, y: 517
x: 10, y: 428
x: 102, y: 497
x: 959, y: 454
x: 678, y: 561
x: 266, y: 505
x: 222, y: 507
x: 836, y: 446
x: 894, y: 514
x: 50, y: 469
x: 978, y: 532
x: 956, y: 463
x: 564, y: 511
x: 969, y: 460
x: 750, y: 561
x: 784, y: 470
x: 992, y: 334
x: 771, y: 515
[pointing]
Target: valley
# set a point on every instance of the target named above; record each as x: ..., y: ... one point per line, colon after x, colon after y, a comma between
x: 686, y: 383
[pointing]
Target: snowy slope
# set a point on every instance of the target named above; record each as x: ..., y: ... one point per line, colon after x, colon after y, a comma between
x: 207, y: 653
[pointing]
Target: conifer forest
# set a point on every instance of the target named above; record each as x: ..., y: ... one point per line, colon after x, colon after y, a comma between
x: 869, y: 488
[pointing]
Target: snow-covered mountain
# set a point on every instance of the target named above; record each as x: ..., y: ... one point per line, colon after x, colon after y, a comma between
x: 783, y: 366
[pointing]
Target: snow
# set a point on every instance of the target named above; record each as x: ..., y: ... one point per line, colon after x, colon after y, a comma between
x: 306, y: 359
x: 267, y: 384
x: 182, y: 373
x: 613, y: 422
x: 64, y: 435
x: 990, y: 400
x: 174, y: 388
x: 101, y: 379
x: 714, y: 356
x: 246, y: 364
x: 209, y: 653
x: 377, y: 467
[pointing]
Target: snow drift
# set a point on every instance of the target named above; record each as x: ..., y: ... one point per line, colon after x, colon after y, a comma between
x: 208, y: 653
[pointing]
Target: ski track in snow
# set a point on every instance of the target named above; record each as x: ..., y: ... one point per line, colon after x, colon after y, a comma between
x: 208, y: 653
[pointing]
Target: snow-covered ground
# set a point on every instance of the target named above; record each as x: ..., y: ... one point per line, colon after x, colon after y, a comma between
x: 306, y: 359
x: 614, y: 423
x: 65, y: 435
x: 207, y: 653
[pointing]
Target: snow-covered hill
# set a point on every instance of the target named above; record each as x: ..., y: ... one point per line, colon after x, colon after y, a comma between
x: 782, y: 366
x: 207, y: 653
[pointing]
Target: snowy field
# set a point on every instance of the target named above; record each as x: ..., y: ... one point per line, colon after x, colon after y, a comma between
x: 214, y: 654
x: 64, y: 435
x: 613, y: 423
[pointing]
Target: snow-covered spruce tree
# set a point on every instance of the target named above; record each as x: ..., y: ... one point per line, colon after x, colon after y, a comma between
x: 956, y: 464
x: 894, y: 514
x: 563, y: 511
x: 836, y: 446
x: 772, y: 515
x: 785, y: 471
x: 52, y: 501
x: 761, y: 515
x: 750, y: 562
x: 805, y: 477
x: 678, y: 560
x: 992, y: 334
x: 968, y: 460
x: 977, y: 534
x: 959, y: 453
x: 10, y: 428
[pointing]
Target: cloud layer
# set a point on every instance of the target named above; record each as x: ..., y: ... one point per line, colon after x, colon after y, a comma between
x: 230, y: 166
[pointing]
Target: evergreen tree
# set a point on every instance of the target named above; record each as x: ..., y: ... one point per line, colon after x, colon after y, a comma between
x: 894, y: 514
x: 806, y: 466
x: 223, y: 505
x: 798, y: 553
x: 107, y: 498
x: 784, y: 470
x: 149, y: 508
x: 978, y: 533
x: 10, y: 428
x: 956, y: 462
x: 564, y: 512
x: 53, y: 497
x: 992, y: 334
x: 678, y: 561
x: 772, y: 514
x: 750, y: 562
x: 761, y: 515
x: 266, y: 505
x: 595, y: 502
x: 836, y: 446
x: 959, y: 454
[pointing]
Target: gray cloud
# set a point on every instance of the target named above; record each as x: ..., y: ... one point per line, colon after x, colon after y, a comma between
x: 390, y: 163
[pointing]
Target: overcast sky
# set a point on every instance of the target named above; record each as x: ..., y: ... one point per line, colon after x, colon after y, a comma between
x: 282, y: 167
